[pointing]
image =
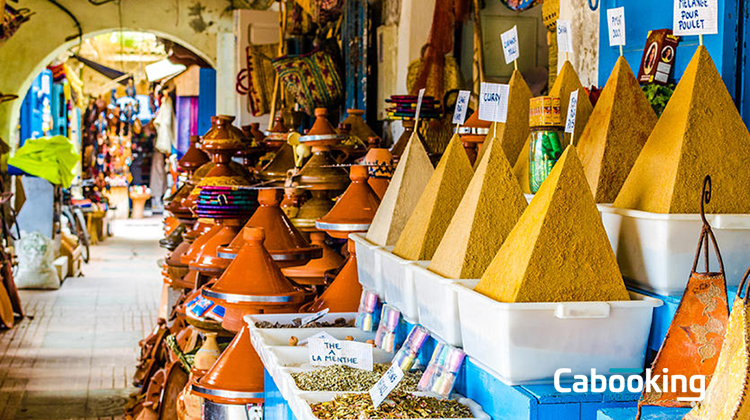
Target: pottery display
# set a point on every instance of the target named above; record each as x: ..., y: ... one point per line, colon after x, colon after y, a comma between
x: 320, y: 172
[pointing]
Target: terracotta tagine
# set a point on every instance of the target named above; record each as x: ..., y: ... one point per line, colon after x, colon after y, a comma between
x: 398, y: 148
x: 313, y: 209
x: 472, y: 134
x: 320, y: 171
x: 277, y: 135
x: 254, y: 148
x: 194, y: 157
x: 177, y: 203
x: 352, y: 213
x: 207, y: 261
x: 380, y: 167
x: 174, y: 238
x: 313, y: 273
x: 253, y: 284
x: 283, y: 241
x: 293, y: 198
x: 197, y: 246
x: 357, y: 124
x: 278, y: 167
x: 221, y: 142
x: 236, y: 377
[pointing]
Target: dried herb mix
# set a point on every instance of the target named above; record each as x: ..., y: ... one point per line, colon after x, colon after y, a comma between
x: 340, y: 378
x: 397, y: 406
x: 297, y: 323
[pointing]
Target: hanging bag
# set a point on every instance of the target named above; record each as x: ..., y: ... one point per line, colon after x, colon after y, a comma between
x: 696, y: 335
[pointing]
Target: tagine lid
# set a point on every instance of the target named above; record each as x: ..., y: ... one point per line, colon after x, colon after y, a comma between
x: 316, y: 268
x: 281, y: 236
x: 223, y: 135
x: 236, y: 377
x: 474, y: 130
x: 278, y: 133
x: 193, y: 158
x: 355, y: 209
x: 322, y: 132
x: 253, y: 262
x: 208, y: 261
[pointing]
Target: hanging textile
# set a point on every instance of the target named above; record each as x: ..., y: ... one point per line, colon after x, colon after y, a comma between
x: 258, y: 78
x: 51, y: 158
x: 164, y: 122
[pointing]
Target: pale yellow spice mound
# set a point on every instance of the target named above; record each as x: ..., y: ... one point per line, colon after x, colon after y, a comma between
x: 615, y: 134
x: 489, y: 209
x: 567, y: 82
x: 515, y: 130
x: 699, y: 133
x: 521, y: 168
x: 409, y: 181
x: 558, y: 251
x: 436, y: 205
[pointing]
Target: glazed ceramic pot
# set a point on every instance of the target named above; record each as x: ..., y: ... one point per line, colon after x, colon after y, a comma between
x: 358, y: 125
x: 313, y: 273
x: 380, y: 169
x: 355, y: 209
x: 320, y: 172
x: 313, y: 209
x: 344, y: 293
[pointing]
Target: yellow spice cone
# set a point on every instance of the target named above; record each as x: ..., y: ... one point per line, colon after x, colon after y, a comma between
x: 615, y: 134
x: 436, y: 205
x: 566, y: 83
x: 489, y: 209
x: 521, y: 168
x: 728, y: 394
x: 410, y: 179
x: 513, y: 133
x: 558, y: 251
x: 699, y: 133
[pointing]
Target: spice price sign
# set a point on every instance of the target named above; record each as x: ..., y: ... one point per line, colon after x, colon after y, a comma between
x: 616, y: 21
x: 510, y: 45
x: 326, y: 351
x: 564, y: 39
x: 462, y: 104
x: 695, y: 17
x: 386, y: 384
x: 570, y: 121
x: 493, y: 102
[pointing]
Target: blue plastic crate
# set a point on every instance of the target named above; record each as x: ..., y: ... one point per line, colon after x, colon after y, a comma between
x: 275, y: 407
x: 648, y: 413
x: 534, y: 402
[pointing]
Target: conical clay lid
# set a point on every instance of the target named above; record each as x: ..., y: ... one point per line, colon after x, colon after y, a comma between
x: 409, y: 181
x: 615, y: 134
x: 558, y: 251
x: 699, y: 133
x: 489, y: 209
x: 355, y: 209
x: 436, y: 205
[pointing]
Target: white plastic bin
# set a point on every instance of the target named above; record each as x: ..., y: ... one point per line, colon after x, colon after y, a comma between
x: 398, y: 283
x: 655, y: 251
x: 368, y: 263
x: 526, y: 343
x: 437, y: 303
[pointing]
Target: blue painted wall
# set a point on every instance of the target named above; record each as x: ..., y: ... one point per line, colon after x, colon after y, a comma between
x: 206, y: 99
x: 644, y: 15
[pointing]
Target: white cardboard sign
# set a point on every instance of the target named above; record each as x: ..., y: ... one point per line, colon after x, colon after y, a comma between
x: 387, y: 383
x: 493, y: 102
x: 564, y: 38
x: 695, y: 17
x: 462, y: 105
x: 616, y: 21
x: 570, y: 121
x: 327, y: 351
x: 509, y: 40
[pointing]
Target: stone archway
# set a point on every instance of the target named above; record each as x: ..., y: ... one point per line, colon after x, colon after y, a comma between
x: 200, y: 25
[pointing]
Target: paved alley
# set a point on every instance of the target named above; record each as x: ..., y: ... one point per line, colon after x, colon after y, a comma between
x: 75, y: 354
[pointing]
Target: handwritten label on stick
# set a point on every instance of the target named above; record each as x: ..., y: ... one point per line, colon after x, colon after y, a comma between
x: 695, y: 17
x: 419, y: 106
x: 327, y: 351
x: 510, y: 45
x: 570, y: 121
x: 386, y: 384
x: 616, y: 20
x: 564, y: 37
x: 462, y: 104
x: 493, y: 102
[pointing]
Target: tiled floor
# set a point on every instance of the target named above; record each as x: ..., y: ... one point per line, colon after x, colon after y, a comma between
x: 75, y: 355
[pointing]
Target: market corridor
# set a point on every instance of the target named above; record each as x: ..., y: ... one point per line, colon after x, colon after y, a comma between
x: 75, y: 356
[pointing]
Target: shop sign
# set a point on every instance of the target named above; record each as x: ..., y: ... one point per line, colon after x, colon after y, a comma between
x: 695, y: 17
x: 493, y: 102
x: 325, y: 350
x: 616, y: 21
x: 386, y: 384
x: 510, y: 45
x: 462, y: 104
x: 570, y: 121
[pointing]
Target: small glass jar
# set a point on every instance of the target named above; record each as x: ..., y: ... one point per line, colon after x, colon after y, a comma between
x: 544, y: 151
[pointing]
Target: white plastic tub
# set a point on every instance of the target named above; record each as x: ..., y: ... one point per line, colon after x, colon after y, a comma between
x: 655, y: 251
x: 526, y: 343
x: 398, y: 283
x: 368, y: 263
x: 437, y: 303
